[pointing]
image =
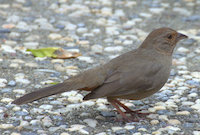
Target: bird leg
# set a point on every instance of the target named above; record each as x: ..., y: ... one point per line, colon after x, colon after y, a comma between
x: 126, y: 118
x: 128, y: 110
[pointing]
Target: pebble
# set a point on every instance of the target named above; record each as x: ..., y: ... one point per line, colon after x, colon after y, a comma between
x: 24, y: 123
x: 183, y: 113
x: 113, y: 49
x: 182, y: 11
x: 46, y: 107
x: 47, y: 122
x: 86, y: 59
x: 78, y: 127
x: 12, y: 83
x: 54, y: 36
x: 174, y: 122
x: 23, y: 81
x: 183, y: 50
x: 3, y: 82
x: 92, y: 123
x: 6, y: 126
x: 8, y: 49
x: 154, y: 122
x: 35, y: 122
x: 156, y: 10
x: 6, y: 100
x: 196, y: 132
x: 116, y: 128
x: 31, y: 45
x: 97, y: 49
x: 19, y: 91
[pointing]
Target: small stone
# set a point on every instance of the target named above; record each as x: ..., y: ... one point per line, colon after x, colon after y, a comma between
x: 47, y: 122
x: 182, y: 11
x: 86, y: 59
x: 14, y: 133
x: 157, y: 108
x: 64, y: 133
x: 196, y: 106
x: 183, y: 50
x: 154, y: 122
x: 92, y: 123
x: 192, y: 95
x: 97, y: 49
x: 129, y: 127
x: 196, y: 74
x: 31, y: 45
x: 6, y: 100
x: 113, y: 49
x: 88, y: 103
x: 6, y: 126
x: 147, y: 15
x: 156, y: 10
x: 19, y: 91
x: 196, y: 132
x: 24, y: 124
x: 23, y: 81
x: 46, y: 107
x: 8, y: 49
x: 55, y: 36
x: 82, y: 30
x: 183, y: 113
x: 174, y: 122
x: 102, y: 133
x: 35, y: 122
x: 12, y: 83
x: 116, y: 128
x: 127, y: 42
x: 163, y: 117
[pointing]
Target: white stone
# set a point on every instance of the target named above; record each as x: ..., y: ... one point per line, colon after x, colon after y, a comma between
x: 183, y: 50
x: 196, y: 132
x: 19, y: 91
x: 182, y: 11
x: 147, y: 15
x: 6, y: 100
x: 35, y: 122
x: 156, y: 10
x: 88, y: 103
x: 31, y: 45
x: 46, y: 107
x: 47, y: 122
x: 196, y: 74
x: 113, y: 49
x: 23, y: 81
x: 55, y: 36
x: 97, y: 48
x: 82, y: 30
x: 69, y: 94
x: 116, y: 128
x: 6, y: 126
x: 7, y: 49
x: 92, y: 123
x: 86, y: 59
x: 24, y: 123
x: 196, y: 106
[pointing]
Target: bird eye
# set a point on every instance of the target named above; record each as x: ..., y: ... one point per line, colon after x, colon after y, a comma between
x: 169, y: 36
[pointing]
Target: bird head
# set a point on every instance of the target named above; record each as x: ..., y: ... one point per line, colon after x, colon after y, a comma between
x: 163, y: 40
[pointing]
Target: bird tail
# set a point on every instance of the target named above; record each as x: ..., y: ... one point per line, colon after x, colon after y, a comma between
x: 41, y: 93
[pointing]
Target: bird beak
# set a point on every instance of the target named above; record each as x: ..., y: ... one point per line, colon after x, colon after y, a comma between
x: 181, y: 36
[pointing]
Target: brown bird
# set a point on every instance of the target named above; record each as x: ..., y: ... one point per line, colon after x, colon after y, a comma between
x: 133, y: 75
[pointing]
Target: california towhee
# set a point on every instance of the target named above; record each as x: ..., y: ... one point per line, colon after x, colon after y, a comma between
x: 133, y: 75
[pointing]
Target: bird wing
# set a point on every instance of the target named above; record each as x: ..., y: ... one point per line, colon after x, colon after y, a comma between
x: 128, y: 79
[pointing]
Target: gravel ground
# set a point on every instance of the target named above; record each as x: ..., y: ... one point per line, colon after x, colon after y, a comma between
x: 99, y: 30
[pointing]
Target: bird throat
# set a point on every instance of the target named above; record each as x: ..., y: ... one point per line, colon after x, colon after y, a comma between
x: 165, y: 49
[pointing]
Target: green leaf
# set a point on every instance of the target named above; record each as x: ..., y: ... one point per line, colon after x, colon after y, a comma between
x: 44, y: 52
